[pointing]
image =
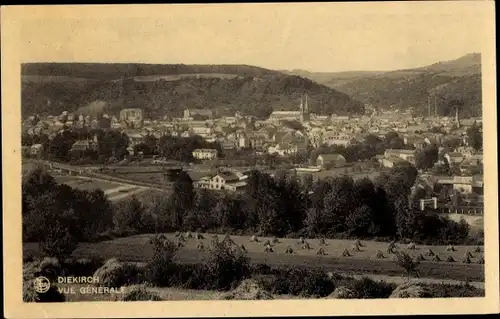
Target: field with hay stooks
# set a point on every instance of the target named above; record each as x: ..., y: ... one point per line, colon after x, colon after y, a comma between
x: 226, y: 273
x: 346, y: 257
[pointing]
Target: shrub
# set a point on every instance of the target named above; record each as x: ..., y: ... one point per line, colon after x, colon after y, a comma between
x: 189, y: 276
x: 83, y: 266
x: 162, y: 266
x: 116, y: 274
x: 28, y: 258
x: 406, y: 262
x: 47, y: 267
x: 411, y: 290
x: 226, y: 267
x: 302, y: 282
x: 342, y: 293
x: 451, y: 291
x: 261, y: 269
x: 138, y: 293
x: 30, y: 295
x: 248, y: 290
x: 367, y: 288
x: 30, y: 272
x: 51, y: 268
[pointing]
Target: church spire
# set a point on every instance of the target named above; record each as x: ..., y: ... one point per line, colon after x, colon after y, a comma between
x: 306, y: 108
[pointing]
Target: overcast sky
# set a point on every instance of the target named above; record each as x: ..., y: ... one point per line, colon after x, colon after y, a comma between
x: 315, y: 37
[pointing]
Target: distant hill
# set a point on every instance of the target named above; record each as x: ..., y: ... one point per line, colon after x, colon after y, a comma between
x: 111, y: 71
x: 50, y: 88
x: 455, y: 84
x: 333, y: 79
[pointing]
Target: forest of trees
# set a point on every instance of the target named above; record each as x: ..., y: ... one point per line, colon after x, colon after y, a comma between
x: 161, y: 97
x: 112, y: 145
x: 412, y: 89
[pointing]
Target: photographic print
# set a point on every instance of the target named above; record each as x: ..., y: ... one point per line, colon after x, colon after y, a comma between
x: 279, y: 152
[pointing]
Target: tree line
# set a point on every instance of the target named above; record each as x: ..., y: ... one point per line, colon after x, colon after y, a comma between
x: 336, y: 207
x: 111, y: 145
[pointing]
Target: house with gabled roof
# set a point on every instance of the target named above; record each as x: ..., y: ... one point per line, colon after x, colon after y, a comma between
x: 222, y: 180
x: 407, y: 155
x: 454, y: 158
x: 327, y: 161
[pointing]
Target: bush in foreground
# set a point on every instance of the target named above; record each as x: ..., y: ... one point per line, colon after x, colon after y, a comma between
x: 30, y: 272
x: 225, y: 267
x: 162, y: 267
x: 411, y: 290
x: 138, y: 293
x: 367, y: 288
x: 116, y: 274
x: 452, y: 291
x: 300, y: 282
x: 342, y: 293
x: 248, y: 290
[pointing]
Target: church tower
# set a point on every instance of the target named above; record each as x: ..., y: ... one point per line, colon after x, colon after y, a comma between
x: 304, y: 110
x: 457, y: 120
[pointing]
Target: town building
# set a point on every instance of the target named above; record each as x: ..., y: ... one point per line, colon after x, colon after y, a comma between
x: 205, y: 154
x: 302, y: 115
x: 83, y: 145
x: 192, y: 113
x: 463, y: 184
x: 133, y: 117
x: 223, y: 180
x: 407, y: 155
x: 454, y: 158
x: 328, y: 161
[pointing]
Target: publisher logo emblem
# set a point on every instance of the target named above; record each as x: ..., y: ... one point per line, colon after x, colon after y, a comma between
x: 41, y: 284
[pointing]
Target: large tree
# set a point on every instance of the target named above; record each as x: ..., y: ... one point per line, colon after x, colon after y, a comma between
x: 426, y: 158
x: 182, y: 198
x: 475, y: 137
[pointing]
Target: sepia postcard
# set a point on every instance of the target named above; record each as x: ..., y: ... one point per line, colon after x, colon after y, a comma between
x: 278, y: 159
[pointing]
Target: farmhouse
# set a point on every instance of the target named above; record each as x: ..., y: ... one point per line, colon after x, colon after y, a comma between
x: 327, y: 161
x: 205, y: 154
x: 222, y: 181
